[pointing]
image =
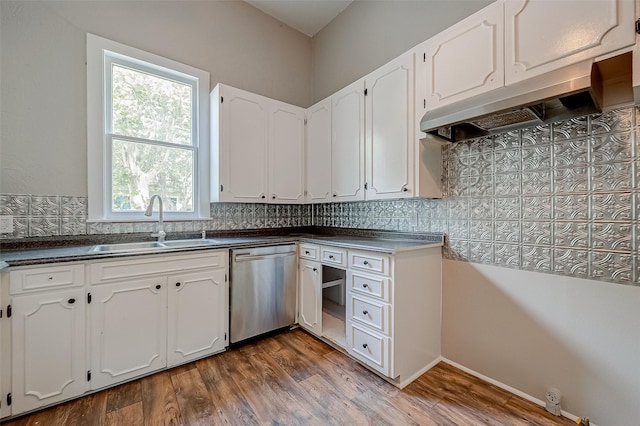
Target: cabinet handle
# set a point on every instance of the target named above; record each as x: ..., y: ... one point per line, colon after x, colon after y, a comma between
x: 365, y: 312
x: 178, y: 284
x: 365, y: 263
x: 158, y: 287
x: 364, y: 345
x: 365, y: 285
x: 71, y: 301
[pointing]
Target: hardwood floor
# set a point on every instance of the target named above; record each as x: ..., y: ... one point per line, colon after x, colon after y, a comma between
x: 293, y: 378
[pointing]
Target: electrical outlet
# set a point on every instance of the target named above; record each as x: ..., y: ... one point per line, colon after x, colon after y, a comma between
x: 6, y: 224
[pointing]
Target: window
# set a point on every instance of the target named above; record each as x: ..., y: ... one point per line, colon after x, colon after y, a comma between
x: 147, y: 133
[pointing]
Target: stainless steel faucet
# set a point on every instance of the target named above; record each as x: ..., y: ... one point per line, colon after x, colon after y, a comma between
x: 160, y: 234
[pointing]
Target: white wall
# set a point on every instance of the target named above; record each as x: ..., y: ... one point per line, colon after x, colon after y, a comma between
x: 532, y: 331
x: 370, y: 33
x: 43, y: 79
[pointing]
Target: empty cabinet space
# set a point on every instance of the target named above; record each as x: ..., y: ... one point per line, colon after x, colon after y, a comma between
x: 333, y: 304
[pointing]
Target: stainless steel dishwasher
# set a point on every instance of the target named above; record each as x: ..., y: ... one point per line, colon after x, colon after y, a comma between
x: 263, y: 290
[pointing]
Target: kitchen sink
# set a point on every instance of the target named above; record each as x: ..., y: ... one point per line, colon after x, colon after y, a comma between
x: 149, y: 246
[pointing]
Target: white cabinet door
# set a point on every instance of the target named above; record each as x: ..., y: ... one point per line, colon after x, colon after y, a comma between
x: 318, y: 153
x: 541, y: 35
x: 465, y: 59
x: 128, y: 330
x: 242, y: 146
x: 390, y: 133
x: 48, y: 348
x: 347, y: 143
x: 286, y: 153
x: 310, y: 293
x: 198, y: 315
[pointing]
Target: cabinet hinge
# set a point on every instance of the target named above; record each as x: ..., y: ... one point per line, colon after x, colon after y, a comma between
x: 9, y: 398
x: 0, y: 313
x: 424, y: 57
x: 221, y: 99
x: 221, y: 188
x: 366, y: 186
x: 638, y: 26
x: 424, y: 103
x: 365, y: 92
x: 225, y: 278
x: 88, y: 298
x: 8, y: 311
x: 225, y: 337
x: 305, y: 121
x: 88, y: 375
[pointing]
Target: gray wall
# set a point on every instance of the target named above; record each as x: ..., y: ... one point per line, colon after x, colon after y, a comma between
x: 368, y: 34
x: 43, y: 52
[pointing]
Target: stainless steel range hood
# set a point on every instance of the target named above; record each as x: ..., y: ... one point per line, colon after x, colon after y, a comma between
x: 584, y: 88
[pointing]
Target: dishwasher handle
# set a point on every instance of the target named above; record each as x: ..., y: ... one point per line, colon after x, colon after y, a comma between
x: 245, y: 257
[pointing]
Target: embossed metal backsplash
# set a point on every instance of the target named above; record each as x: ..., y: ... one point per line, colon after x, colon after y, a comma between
x: 37, y: 215
x: 562, y: 198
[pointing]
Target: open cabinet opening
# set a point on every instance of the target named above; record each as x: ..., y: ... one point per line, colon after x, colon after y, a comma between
x: 333, y: 305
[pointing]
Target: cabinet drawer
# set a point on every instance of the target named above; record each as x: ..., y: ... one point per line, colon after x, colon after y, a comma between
x: 373, y: 286
x: 333, y: 256
x: 371, y: 348
x: 369, y: 262
x: 70, y: 275
x: 309, y: 251
x: 143, y: 266
x: 370, y: 313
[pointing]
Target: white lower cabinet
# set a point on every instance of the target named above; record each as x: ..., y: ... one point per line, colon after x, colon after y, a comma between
x: 310, y: 296
x: 195, y: 329
x: 128, y: 330
x: 48, y: 348
x: 390, y: 320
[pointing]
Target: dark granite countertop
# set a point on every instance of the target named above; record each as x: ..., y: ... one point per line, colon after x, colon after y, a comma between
x: 33, y: 251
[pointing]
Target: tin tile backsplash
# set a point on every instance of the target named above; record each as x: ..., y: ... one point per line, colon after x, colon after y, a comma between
x: 562, y: 198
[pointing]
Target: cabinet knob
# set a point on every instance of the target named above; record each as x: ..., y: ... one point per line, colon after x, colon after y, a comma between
x: 364, y: 345
x: 365, y: 312
x: 262, y: 197
x: 306, y: 252
x: 273, y: 197
x: 50, y: 278
x: 158, y: 287
x: 178, y: 284
x: 365, y: 285
x: 71, y: 301
x: 365, y: 263
x: 331, y: 257
x: 405, y: 189
x: 335, y: 195
x: 315, y: 269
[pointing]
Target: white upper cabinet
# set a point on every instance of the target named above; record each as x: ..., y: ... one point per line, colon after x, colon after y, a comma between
x: 347, y: 143
x: 239, y: 132
x: 257, y: 148
x: 542, y: 35
x: 465, y: 59
x: 318, y: 153
x: 389, y: 130
x: 286, y: 153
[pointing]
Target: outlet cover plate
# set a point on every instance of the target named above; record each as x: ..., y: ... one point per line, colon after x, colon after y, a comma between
x: 6, y: 224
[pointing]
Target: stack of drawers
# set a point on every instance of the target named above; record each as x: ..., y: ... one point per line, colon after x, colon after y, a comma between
x: 370, y: 310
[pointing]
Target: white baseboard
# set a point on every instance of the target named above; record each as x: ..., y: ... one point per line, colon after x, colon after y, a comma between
x: 507, y: 388
x: 410, y: 379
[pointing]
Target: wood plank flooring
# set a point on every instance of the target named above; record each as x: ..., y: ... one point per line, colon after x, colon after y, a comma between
x: 293, y: 378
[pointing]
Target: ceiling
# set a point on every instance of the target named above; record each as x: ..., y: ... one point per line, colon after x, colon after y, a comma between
x: 306, y: 16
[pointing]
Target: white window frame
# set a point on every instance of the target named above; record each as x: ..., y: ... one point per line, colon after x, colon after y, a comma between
x: 101, y: 52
